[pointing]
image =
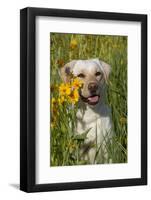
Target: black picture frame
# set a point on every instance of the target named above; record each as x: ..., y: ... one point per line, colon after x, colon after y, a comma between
x: 28, y: 99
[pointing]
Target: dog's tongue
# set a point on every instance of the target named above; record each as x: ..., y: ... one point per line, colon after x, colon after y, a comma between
x: 93, y: 99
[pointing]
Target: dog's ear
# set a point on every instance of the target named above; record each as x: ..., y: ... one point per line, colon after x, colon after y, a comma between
x: 66, y: 71
x: 106, y: 69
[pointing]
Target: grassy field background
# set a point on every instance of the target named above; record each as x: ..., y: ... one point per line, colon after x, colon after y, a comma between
x: 64, y: 147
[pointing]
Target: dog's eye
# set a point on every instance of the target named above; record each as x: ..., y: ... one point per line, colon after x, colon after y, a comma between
x: 81, y: 75
x: 97, y: 73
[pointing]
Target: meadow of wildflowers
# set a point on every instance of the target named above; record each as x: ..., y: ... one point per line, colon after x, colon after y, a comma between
x: 64, y: 143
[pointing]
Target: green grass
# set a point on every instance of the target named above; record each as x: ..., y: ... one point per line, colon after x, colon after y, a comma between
x: 64, y: 145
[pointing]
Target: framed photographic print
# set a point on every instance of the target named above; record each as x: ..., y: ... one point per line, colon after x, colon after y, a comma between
x: 83, y: 99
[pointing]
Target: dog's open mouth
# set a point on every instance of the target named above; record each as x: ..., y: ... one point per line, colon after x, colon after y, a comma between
x: 92, y: 100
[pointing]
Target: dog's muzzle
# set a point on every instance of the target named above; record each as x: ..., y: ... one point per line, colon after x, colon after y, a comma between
x: 93, y: 99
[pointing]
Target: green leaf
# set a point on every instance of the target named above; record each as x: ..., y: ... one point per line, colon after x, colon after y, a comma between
x: 82, y: 136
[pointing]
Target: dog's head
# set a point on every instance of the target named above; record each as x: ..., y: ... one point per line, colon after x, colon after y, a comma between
x: 94, y: 74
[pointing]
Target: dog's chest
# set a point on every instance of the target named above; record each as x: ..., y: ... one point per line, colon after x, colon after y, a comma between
x: 97, y: 122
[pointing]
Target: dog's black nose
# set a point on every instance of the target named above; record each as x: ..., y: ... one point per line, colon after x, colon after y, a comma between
x: 93, y: 86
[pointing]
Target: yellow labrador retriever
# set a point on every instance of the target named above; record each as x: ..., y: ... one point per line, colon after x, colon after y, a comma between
x: 93, y: 114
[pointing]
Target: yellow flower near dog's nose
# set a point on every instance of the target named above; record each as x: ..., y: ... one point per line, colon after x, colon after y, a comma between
x: 64, y: 89
x: 77, y: 83
x: 74, y: 97
x: 73, y: 44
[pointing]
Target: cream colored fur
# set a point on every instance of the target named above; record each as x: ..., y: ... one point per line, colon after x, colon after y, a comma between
x: 97, y: 117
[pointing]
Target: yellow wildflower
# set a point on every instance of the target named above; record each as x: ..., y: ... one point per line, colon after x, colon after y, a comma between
x: 61, y: 100
x: 74, y: 96
x: 77, y: 83
x: 54, y: 102
x: 64, y: 89
x: 73, y: 44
